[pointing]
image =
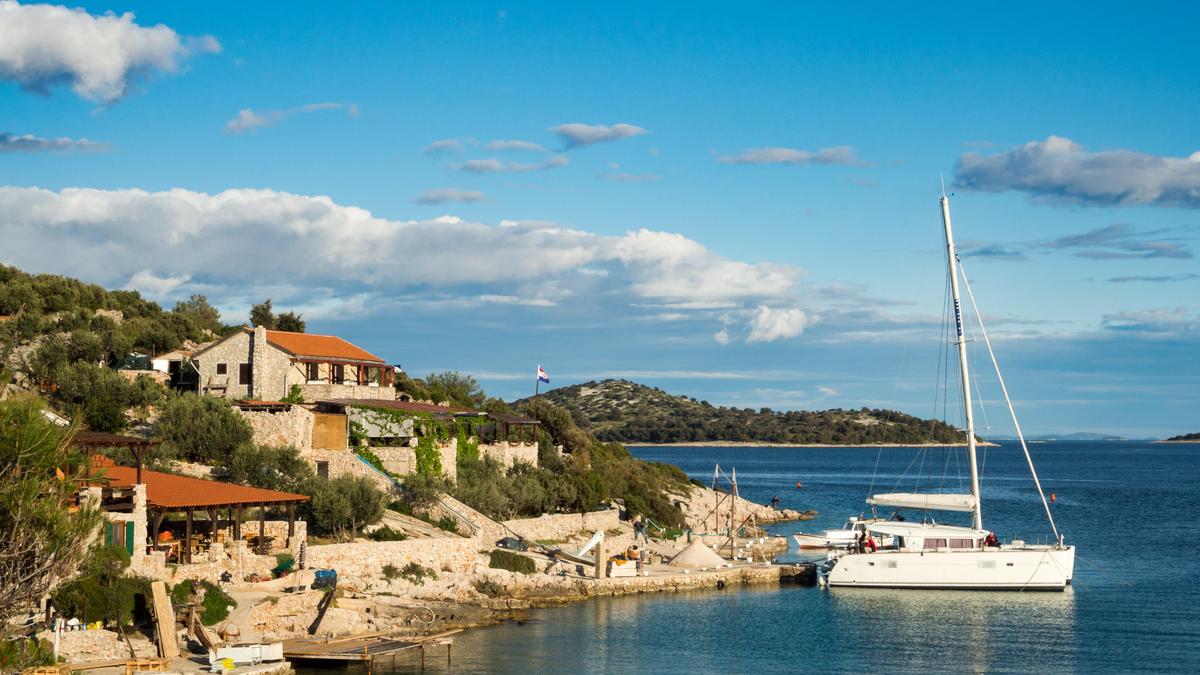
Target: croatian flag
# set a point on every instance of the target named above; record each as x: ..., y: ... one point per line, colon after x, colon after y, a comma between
x: 542, y: 376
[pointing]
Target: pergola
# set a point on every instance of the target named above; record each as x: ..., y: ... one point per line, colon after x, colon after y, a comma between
x: 94, y: 441
x: 516, y: 428
x: 169, y: 493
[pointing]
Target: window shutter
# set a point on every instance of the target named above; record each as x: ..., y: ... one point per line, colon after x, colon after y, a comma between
x: 129, y: 537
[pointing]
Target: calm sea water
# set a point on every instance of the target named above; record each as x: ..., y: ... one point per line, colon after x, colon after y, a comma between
x: 1134, y: 604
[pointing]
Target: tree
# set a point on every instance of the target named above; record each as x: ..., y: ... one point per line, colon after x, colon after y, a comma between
x: 201, y: 314
x: 343, y: 506
x: 102, y: 395
x: 202, y: 429
x: 261, y: 315
x: 40, y: 541
x: 290, y: 321
x: 271, y: 468
x: 455, y: 388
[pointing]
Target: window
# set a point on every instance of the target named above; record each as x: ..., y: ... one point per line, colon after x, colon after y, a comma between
x: 312, y: 371
x: 244, y: 374
x: 935, y: 543
x: 962, y: 543
x: 323, y: 470
x: 339, y: 373
x: 222, y: 368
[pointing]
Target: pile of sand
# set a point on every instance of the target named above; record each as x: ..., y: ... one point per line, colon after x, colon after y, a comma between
x: 696, y: 556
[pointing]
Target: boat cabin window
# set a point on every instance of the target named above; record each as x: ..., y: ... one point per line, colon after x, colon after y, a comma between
x: 935, y: 543
x: 962, y: 543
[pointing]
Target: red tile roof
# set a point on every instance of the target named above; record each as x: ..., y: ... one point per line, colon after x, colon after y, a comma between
x: 319, y: 346
x: 168, y: 491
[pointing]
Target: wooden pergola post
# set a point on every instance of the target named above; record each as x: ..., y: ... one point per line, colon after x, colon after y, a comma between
x: 291, y: 511
x: 187, y: 536
x: 237, y: 524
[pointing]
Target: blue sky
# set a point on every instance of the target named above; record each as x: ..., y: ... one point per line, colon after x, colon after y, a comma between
x: 735, y: 204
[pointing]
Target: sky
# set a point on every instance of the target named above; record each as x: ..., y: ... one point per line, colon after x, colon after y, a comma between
x: 739, y: 204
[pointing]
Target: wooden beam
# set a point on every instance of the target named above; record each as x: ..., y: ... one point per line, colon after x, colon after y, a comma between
x: 187, y: 536
x: 291, y: 511
x: 237, y: 524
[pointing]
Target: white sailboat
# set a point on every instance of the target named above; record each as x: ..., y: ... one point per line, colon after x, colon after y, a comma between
x: 929, y: 555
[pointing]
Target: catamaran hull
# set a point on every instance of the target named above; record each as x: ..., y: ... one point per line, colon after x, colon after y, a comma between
x: 1024, y: 569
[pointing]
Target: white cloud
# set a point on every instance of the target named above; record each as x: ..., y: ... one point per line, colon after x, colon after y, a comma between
x: 248, y: 120
x: 1059, y: 169
x: 30, y: 143
x: 1163, y: 321
x: 100, y: 57
x: 768, y: 324
x: 153, y: 285
x: 445, y: 146
x: 722, y: 336
x: 842, y: 154
x: 492, y: 165
x: 450, y: 196
x: 625, y: 177
x: 522, y: 146
x: 107, y: 236
x: 576, y: 135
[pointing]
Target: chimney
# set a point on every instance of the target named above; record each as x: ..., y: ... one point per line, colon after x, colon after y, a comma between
x: 258, y: 361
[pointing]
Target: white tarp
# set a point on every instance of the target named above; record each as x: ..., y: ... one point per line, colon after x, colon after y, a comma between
x: 932, y: 501
x: 697, y: 556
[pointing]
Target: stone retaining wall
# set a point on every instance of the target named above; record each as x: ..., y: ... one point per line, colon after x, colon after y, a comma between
x: 562, y: 526
x: 508, y: 454
x: 293, y: 427
x: 358, y: 564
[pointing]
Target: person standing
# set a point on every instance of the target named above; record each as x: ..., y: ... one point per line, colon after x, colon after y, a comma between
x: 639, y: 529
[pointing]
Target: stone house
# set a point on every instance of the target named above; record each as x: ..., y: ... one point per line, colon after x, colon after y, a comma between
x: 265, y: 364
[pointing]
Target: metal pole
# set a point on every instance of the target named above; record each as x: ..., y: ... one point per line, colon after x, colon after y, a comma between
x: 952, y: 261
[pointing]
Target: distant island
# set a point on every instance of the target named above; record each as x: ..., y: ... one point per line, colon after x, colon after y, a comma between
x: 1183, y: 438
x: 1077, y: 436
x: 628, y: 412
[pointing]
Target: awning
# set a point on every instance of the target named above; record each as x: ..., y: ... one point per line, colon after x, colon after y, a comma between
x: 934, y: 501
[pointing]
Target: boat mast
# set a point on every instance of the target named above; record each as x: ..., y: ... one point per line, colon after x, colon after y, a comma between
x: 952, y: 260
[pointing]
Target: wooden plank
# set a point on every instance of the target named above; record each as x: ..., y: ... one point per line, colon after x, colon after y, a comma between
x: 164, y: 619
x: 93, y: 665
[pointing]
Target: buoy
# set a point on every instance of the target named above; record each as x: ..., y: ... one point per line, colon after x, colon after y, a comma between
x: 1052, y: 497
x: 799, y: 485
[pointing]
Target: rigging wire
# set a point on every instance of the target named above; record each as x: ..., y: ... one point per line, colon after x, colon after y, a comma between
x: 1012, y: 411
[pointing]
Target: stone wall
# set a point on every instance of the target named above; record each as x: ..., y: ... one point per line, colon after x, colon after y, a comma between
x: 276, y: 429
x: 509, y: 454
x: 236, y: 559
x: 99, y: 645
x: 361, y: 563
x: 344, y: 463
x: 232, y: 351
x: 562, y: 526
x: 321, y: 391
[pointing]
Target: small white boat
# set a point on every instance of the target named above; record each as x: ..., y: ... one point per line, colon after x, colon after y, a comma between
x: 840, y: 538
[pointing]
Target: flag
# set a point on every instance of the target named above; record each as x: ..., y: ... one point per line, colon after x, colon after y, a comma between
x: 542, y: 376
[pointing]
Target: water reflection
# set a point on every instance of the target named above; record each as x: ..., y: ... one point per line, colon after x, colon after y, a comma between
x: 958, y: 630
x: 779, y: 629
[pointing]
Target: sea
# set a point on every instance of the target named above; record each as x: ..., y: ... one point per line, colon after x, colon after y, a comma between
x: 1134, y: 604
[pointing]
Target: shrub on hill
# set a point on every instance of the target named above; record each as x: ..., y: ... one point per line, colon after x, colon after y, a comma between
x: 341, y: 507
x: 271, y: 468
x: 201, y: 429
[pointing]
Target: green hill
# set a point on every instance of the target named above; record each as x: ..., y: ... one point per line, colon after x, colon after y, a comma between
x: 1186, y: 438
x: 628, y: 412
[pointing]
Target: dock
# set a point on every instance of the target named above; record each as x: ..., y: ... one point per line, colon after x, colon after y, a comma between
x: 364, y: 649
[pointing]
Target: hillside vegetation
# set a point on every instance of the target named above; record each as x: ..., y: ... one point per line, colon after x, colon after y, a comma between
x: 1186, y: 437
x: 628, y: 412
